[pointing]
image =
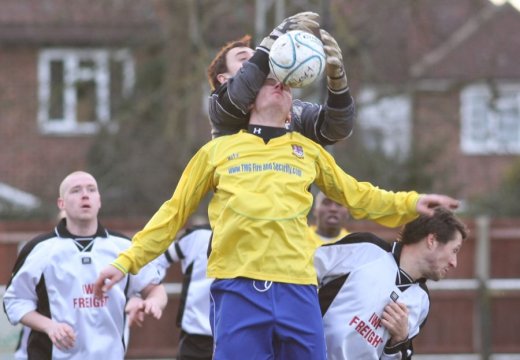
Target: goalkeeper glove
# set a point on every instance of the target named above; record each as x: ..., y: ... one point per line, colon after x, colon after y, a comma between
x: 305, y: 21
x: 336, y: 76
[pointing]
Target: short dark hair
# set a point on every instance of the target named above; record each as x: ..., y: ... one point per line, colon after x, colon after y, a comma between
x: 443, y: 224
x: 218, y: 64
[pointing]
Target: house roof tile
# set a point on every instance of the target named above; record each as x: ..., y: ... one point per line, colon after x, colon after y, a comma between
x: 77, y: 21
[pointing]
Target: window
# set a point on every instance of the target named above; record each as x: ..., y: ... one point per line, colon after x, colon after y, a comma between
x: 80, y: 89
x: 490, y: 120
x: 386, y: 122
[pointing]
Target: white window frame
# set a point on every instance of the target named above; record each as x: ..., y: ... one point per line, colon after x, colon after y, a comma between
x: 391, y: 116
x: 73, y: 72
x: 489, y: 133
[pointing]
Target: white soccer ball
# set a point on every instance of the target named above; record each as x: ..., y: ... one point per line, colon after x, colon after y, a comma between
x: 297, y: 58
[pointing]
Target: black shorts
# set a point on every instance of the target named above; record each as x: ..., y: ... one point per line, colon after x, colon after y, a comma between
x: 195, y: 347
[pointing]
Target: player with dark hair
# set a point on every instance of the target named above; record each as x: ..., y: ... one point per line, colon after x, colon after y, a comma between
x: 237, y: 73
x: 264, y: 298
x: 373, y: 294
x: 52, y: 283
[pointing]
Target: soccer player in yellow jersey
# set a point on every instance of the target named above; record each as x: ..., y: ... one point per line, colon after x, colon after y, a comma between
x: 264, y: 297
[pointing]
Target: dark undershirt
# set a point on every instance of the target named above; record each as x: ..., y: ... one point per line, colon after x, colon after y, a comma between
x: 266, y: 132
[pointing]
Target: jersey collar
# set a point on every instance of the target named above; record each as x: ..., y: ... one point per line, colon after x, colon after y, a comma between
x: 266, y: 132
x: 62, y: 231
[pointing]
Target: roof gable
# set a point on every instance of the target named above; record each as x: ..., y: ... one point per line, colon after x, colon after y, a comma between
x: 83, y: 21
x: 484, y: 46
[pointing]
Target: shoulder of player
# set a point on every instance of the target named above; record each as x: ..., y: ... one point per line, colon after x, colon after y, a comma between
x: 226, y: 144
x: 363, y: 238
x: 308, y: 143
x: 38, y: 240
x: 117, y: 235
x: 221, y: 141
x: 39, y: 246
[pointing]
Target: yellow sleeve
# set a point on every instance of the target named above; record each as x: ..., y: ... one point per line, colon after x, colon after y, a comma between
x: 160, y: 231
x: 364, y: 200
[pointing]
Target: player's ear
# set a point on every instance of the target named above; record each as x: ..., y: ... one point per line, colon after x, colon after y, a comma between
x: 222, y: 78
x: 60, y: 203
x: 430, y: 241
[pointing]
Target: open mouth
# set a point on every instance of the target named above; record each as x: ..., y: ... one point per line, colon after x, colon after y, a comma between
x: 333, y: 218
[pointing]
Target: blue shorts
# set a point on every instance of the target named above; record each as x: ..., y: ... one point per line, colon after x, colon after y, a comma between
x: 261, y: 320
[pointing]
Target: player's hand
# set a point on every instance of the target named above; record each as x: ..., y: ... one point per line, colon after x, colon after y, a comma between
x: 62, y: 335
x: 151, y: 308
x: 336, y: 75
x: 134, y: 311
x: 306, y: 21
x: 428, y: 202
x: 137, y: 308
x: 107, y: 278
x: 395, y: 320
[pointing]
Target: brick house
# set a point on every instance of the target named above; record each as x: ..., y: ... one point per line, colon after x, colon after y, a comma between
x: 63, y: 67
x: 442, y: 75
x: 445, y: 68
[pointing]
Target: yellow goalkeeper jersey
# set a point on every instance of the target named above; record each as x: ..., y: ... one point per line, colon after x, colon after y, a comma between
x: 258, y: 212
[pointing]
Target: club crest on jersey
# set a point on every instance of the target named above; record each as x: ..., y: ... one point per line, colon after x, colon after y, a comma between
x: 297, y: 151
x: 394, y: 296
x: 86, y: 260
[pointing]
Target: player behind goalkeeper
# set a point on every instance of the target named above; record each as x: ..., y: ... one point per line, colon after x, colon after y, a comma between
x: 237, y: 73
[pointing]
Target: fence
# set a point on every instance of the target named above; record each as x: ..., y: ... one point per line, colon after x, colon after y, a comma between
x: 474, y: 314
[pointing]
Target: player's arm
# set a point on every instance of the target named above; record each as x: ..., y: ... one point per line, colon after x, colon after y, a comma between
x: 366, y: 201
x: 21, y: 300
x: 229, y: 105
x: 334, y: 120
x: 62, y: 335
x: 159, y: 232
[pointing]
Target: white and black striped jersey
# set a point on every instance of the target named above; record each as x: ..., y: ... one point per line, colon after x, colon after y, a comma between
x: 358, y: 276
x: 191, y: 251
x: 55, y: 274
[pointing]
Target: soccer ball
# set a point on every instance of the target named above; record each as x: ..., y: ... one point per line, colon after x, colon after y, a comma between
x: 297, y: 58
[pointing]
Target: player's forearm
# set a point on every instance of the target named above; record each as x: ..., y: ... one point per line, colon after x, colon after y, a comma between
x: 388, y: 208
x: 364, y: 200
x: 339, y: 117
x: 247, y: 82
x: 37, y: 321
x: 152, y: 240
